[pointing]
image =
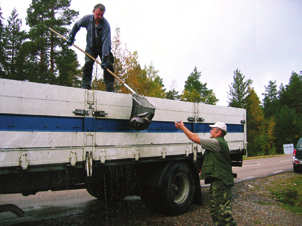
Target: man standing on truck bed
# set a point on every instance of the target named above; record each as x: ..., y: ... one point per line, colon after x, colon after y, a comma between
x: 98, y: 43
x: 217, y: 170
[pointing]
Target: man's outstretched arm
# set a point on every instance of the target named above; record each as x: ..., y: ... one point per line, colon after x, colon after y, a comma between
x: 192, y: 136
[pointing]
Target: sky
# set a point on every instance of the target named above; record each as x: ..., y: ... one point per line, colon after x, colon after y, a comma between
x: 261, y: 38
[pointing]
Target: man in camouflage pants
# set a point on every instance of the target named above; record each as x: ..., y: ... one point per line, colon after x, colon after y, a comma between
x: 217, y: 170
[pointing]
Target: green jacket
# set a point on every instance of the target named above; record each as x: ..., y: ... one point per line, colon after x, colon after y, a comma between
x: 218, y: 164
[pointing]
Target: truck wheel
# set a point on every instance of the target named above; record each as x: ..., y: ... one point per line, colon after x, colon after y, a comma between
x: 149, y: 197
x: 178, y: 189
x: 176, y: 194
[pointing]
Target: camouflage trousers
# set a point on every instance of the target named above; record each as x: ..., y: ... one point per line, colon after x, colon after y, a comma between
x: 220, y: 204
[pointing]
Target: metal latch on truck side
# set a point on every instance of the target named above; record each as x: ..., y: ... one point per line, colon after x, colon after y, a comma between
x: 187, y: 151
x: 103, y: 156
x: 136, y: 154
x: 81, y: 112
x: 195, y: 150
x: 99, y: 113
x: 163, y: 153
x: 88, y: 163
x: 73, y: 158
x: 193, y: 119
x: 24, y: 160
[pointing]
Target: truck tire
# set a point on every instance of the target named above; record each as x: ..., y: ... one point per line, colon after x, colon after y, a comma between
x: 176, y: 194
x: 149, y: 196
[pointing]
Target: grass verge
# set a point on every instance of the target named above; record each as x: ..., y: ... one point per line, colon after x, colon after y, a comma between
x: 288, y: 192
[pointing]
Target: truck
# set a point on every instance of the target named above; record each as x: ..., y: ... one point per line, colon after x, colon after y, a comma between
x: 61, y: 138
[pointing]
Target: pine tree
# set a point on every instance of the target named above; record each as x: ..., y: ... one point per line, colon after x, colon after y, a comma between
x: 294, y: 90
x: 172, y: 95
x: 291, y: 96
x: 67, y: 65
x: 239, y: 90
x: 196, y: 91
x: 13, y: 56
x: 286, y: 130
x: 270, y: 99
x: 46, y: 47
x: 2, y: 60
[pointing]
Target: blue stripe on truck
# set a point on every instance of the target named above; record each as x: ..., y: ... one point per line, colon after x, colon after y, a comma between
x: 13, y: 122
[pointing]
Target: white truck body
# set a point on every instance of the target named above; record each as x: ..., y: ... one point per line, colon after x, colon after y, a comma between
x: 50, y: 128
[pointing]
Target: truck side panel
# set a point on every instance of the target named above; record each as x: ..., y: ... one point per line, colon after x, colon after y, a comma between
x: 45, y: 127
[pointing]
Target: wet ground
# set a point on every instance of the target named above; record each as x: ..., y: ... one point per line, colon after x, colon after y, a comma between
x: 77, y: 207
x: 88, y: 211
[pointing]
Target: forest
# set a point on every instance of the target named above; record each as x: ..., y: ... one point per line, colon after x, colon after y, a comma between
x: 40, y: 56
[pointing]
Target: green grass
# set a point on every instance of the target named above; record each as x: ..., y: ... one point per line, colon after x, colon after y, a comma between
x: 262, y: 156
x: 288, y: 192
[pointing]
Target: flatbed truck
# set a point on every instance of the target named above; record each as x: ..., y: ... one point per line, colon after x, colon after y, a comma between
x: 61, y: 138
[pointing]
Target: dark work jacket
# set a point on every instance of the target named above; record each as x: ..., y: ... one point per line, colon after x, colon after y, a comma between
x: 218, y: 164
x: 102, y: 30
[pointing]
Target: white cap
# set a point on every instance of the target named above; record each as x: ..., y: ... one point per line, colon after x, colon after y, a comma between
x: 220, y: 125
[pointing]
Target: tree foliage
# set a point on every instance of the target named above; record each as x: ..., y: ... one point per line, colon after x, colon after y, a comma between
x: 293, y: 99
x: 278, y: 122
x: 239, y: 90
x: 196, y: 91
x: 151, y: 84
x: 144, y: 81
x: 173, y: 95
x: 41, y: 56
x: 260, y: 130
x: 14, y: 54
x: 270, y: 99
x: 2, y: 72
x: 286, y: 131
x: 290, y: 96
x: 47, y: 50
x: 266, y: 138
x: 67, y: 65
x: 255, y: 119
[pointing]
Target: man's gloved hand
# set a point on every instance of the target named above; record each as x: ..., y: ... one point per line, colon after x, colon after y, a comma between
x: 70, y: 40
x: 104, y: 62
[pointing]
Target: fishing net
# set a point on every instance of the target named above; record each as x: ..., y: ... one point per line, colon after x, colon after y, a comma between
x: 142, y: 113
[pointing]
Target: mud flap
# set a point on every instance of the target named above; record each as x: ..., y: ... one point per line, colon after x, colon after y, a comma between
x: 198, y: 195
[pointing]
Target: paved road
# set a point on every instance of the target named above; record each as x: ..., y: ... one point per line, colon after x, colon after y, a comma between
x: 49, y: 205
x: 256, y: 168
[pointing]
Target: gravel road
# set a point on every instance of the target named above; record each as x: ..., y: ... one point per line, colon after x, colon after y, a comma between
x: 248, y: 209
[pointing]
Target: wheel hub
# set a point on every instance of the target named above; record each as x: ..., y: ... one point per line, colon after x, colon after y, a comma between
x: 180, y: 188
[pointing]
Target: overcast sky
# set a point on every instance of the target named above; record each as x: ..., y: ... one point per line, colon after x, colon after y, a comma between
x: 262, y: 38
